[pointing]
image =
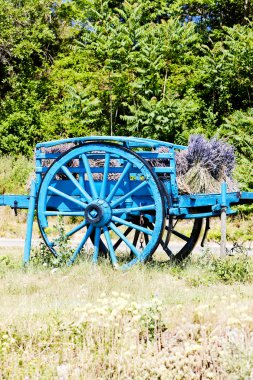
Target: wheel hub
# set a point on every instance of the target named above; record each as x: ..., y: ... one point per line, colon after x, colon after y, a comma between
x: 98, y: 213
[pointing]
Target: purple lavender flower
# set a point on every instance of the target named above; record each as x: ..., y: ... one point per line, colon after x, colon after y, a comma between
x: 215, y: 155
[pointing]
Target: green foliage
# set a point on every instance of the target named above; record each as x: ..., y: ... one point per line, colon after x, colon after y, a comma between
x: 209, y: 268
x: 212, y: 14
x: 28, y: 42
x: 5, y: 262
x: 237, y: 232
x: 237, y: 129
x: 231, y: 269
x: 14, y: 174
x: 41, y: 255
x: 246, y: 211
x: 153, y: 69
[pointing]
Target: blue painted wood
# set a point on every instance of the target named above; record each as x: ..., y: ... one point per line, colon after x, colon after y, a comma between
x: 15, y: 201
x: 135, y: 186
x: 223, y: 202
x: 129, y: 142
x: 246, y: 197
x: 29, y: 223
x: 131, y: 190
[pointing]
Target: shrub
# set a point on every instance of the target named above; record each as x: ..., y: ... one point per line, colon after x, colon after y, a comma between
x: 14, y: 174
x: 230, y: 269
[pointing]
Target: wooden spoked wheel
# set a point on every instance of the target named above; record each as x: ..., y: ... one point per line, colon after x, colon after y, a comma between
x: 178, y: 240
x: 181, y: 237
x: 102, y: 192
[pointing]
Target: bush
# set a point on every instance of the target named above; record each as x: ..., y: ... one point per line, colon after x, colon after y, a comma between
x: 233, y: 269
x: 14, y: 174
x: 230, y: 269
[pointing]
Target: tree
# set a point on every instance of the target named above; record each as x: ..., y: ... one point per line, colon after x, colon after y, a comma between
x: 29, y: 41
x: 162, y: 69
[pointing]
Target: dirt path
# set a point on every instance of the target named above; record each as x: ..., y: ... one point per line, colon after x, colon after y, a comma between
x: 214, y: 247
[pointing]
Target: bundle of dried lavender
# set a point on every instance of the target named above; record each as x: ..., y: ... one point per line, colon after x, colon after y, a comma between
x: 204, y: 165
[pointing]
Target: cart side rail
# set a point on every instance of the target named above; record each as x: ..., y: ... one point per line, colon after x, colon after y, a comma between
x: 147, y: 149
x: 129, y: 142
x: 208, y: 205
x: 246, y: 197
x: 15, y: 201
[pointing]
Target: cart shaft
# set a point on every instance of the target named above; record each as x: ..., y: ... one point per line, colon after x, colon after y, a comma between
x: 15, y: 201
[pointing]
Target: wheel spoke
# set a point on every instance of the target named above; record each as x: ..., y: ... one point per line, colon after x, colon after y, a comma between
x: 181, y: 236
x: 76, y: 183
x: 80, y: 246
x: 90, y: 177
x: 168, y: 233
x: 136, y: 237
x: 175, y: 223
x: 167, y: 250
x: 121, y: 227
x: 64, y: 213
x: 133, y: 209
x: 96, y: 244
x: 146, y: 239
x: 125, y: 239
x: 124, y: 173
x: 77, y: 228
x: 133, y: 225
x: 81, y: 177
x: 66, y: 196
x: 105, y: 176
x: 110, y: 246
x: 119, y: 241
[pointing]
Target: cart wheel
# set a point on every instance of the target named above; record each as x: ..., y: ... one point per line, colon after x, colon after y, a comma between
x: 180, y: 237
x: 101, y: 191
x: 178, y: 240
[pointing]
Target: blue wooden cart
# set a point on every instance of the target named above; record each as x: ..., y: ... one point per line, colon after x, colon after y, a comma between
x: 116, y: 199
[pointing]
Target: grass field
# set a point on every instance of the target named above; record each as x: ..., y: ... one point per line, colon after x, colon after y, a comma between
x: 152, y: 322
x: 155, y: 321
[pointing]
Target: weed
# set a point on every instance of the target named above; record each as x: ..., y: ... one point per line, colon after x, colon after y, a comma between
x: 42, y: 255
x: 116, y: 337
x: 200, y: 279
x: 208, y: 268
x: 7, y: 264
x: 230, y: 269
x: 5, y: 261
x: 239, y: 230
x: 96, y: 323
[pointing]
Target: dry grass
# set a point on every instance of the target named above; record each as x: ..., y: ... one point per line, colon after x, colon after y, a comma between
x: 88, y: 322
x: 12, y: 226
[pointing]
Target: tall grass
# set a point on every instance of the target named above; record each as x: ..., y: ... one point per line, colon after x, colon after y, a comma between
x: 89, y: 322
x: 153, y: 322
